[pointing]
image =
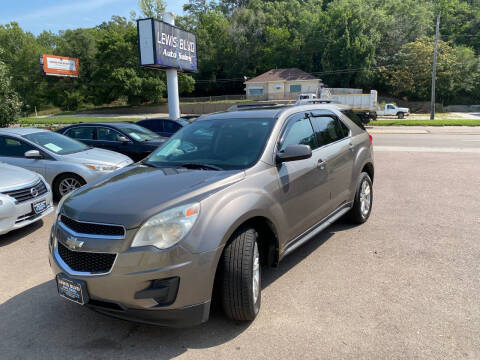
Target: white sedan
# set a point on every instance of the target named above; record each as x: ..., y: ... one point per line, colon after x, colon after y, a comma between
x: 25, y: 197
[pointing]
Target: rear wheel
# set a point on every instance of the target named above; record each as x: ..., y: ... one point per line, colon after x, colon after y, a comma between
x: 241, y: 285
x: 362, y: 205
x: 66, y: 183
x: 400, y: 115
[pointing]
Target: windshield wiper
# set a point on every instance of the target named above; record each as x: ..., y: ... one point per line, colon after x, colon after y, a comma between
x: 201, y: 166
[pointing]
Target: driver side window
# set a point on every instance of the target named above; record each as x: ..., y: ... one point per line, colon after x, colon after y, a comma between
x: 299, y: 133
x: 11, y: 147
x: 106, y: 134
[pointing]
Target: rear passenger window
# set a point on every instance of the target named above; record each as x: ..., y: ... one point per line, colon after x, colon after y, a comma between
x: 327, y: 130
x: 300, y: 133
x: 345, y: 129
x: 171, y: 127
x: 82, y: 133
x: 153, y: 125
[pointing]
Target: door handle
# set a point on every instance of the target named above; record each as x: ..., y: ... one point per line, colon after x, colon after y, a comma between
x: 321, y: 164
x: 351, y: 147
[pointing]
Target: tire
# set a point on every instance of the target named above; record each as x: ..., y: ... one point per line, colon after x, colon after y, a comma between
x: 359, y: 213
x: 240, y: 289
x: 60, y: 185
x: 400, y: 115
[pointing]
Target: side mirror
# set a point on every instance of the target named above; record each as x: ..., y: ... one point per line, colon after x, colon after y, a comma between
x: 123, y: 139
x: 33, y: 154
x: 294, y: 153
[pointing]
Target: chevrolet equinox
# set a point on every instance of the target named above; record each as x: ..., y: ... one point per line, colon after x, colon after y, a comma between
x: 224, y: 196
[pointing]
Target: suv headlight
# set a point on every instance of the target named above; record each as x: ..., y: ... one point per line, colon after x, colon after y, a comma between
x: 105, y: 168
x: 168, y: 227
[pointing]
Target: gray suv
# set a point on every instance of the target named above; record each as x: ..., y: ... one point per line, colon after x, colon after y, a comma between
x: 223, y: 197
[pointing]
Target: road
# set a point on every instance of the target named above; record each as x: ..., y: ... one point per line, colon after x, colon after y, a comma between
x: 403, y: 285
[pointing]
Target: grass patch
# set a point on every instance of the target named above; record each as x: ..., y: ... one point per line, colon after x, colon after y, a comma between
x: 449, y: 122
x: 63, y: 120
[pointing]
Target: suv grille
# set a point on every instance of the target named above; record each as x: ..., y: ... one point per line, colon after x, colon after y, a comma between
x: 85, y: 261
x: 26, y: 194
x: 92, y: 229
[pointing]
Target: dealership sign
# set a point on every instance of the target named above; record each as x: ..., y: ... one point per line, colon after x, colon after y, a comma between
x: 53, y: 65
x: 164, y: 46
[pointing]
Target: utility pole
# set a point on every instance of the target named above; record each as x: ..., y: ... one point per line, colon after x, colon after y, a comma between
x: 172, y: 80
x: 434, y: 72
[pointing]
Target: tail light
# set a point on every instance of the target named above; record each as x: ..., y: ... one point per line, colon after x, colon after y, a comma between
x: 371, y: 139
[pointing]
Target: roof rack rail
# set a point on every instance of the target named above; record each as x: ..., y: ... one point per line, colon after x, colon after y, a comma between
x: 314, y: 101
x: 263, y: 105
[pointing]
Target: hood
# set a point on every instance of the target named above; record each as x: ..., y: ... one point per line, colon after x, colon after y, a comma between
x: 132, y: 195
x: 153, y: 144
x: 99, y: 156
x: 13, y: 177
x: 157, y: 141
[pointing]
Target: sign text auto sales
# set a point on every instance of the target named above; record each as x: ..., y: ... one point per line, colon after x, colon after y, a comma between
x: 164, y: 46
x: 184, y: 48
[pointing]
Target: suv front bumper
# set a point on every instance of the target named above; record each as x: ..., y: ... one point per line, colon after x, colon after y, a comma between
x: 123, y: 291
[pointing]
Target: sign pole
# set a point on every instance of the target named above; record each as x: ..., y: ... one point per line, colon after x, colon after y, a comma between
x: 172, y: 80
x: 434, y: 70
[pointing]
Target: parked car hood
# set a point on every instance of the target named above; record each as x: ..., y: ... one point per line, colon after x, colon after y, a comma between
x: 14, y: 176
x: 99, y: 156
x: 132, y: 195
x: 157, y: 141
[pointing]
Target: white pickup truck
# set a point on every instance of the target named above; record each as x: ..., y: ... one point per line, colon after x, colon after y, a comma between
x: 365, y: 105
x: 393, y: 110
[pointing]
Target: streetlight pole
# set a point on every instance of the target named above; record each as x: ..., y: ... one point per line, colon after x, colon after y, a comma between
x: 434, y: 71
x: 172, y: 80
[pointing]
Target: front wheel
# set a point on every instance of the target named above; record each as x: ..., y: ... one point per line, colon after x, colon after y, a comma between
x: 66, y: 183
x: 362, y: 205
x: 400, y: 115
x: 241, y: 285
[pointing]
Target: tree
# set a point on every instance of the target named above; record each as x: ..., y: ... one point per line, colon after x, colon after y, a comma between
x: 152, y: 8
x: 411, y: 75
x: 9, y: 102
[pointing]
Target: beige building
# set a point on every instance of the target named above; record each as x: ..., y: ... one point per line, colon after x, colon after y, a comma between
x: 281, y: 84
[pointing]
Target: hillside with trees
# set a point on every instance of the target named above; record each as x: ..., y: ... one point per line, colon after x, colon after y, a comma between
x: 372, y: 44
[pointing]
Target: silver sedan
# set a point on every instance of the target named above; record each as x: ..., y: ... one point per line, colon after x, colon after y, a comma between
x: 66, y: 164
x: 24, y: 198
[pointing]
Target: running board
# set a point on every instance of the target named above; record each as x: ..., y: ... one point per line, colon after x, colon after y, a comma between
x: 311, y: 234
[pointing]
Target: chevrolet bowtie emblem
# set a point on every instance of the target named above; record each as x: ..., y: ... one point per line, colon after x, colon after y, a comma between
x: 73, y: 243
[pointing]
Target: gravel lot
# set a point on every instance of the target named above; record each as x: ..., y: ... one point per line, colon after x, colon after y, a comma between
x: 404, y: 285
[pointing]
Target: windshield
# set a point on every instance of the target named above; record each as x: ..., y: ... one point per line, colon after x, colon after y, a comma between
x: 57, y: 143
x: 139, y: 133
x: 222, y: 143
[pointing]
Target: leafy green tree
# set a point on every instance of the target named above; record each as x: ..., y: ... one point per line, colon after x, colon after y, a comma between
x: 9, y: 102
x: 152, y: 8
x: 411, y: 76
x: 21, y: 55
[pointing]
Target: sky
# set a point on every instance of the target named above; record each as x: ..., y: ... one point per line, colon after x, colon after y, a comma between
x: 38, y: 15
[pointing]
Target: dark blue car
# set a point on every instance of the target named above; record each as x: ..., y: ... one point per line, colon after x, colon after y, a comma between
x: 163, y: 127
x: 126, y: 138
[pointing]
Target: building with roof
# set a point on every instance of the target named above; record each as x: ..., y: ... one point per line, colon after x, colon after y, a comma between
x: 281, y: 84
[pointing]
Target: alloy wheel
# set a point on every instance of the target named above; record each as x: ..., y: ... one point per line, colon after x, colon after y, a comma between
x: 256, y: 273
x: 68, y: 185
x: 365, y: 198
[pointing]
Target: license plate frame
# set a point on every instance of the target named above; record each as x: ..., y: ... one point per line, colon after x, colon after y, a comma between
x: 72, y: 289
x: 39, y: 206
